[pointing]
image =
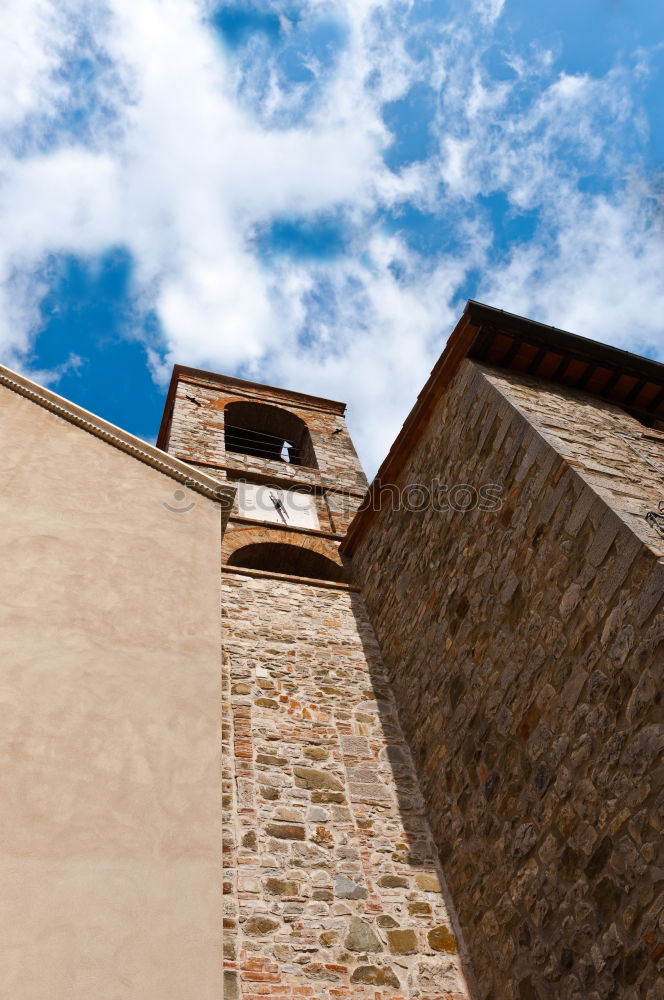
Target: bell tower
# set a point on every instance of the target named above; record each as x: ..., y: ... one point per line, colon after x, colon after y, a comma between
x: 332, y: 887
x: 299, y: 480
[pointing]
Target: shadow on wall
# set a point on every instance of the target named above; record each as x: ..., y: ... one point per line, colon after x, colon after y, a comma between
x: 525, y: 654
x: 426, y: 909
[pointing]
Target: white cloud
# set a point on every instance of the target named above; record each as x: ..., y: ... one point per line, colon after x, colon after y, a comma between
x: 385, y: 333
x: 489, y: 10
x: 602, y: 276
x: 30, y: 34
x: 181, y: 167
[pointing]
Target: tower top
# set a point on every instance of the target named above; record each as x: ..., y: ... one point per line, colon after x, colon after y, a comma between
x: 239, y: 387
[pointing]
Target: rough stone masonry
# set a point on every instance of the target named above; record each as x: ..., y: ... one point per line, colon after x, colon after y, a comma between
x: 525, y: 651
x: 331, y: 878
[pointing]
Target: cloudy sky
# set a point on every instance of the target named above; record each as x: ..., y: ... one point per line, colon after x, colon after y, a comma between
x: 305, y: 193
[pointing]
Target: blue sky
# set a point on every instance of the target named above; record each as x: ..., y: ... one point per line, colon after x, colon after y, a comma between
x: 305, y: 193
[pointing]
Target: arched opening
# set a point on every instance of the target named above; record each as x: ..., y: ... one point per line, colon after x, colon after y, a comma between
x: 268, y: 432
x: 294, y: 560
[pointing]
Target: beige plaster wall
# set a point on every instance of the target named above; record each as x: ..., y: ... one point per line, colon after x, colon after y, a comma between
x: 110, y: 796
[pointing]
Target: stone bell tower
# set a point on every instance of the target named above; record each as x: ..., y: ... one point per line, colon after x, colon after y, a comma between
x: 331, y: 881
x: 299, y: 480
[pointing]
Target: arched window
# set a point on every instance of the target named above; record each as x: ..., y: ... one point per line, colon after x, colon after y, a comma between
x: 268, y: 432
x: 278, y: 557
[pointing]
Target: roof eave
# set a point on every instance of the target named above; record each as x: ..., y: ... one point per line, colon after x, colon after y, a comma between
x: 480, y: 328
x: 221, y: 493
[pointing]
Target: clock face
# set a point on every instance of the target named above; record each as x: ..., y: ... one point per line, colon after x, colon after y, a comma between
x: 292, y: 508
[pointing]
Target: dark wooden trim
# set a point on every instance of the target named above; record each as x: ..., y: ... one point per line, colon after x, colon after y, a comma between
x: 655, y: 404
x: 635, y: 392
x: 511, y: 352
x: 581, y: 348
x: 586, y: 376
x: 559, y: 373
x: 484, y: 341
x: 611, y: 384
x: 537, y: 361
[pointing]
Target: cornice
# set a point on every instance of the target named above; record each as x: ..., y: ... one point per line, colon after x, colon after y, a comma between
x: 335, y: 536
x: 245, y: 386
x: 318, y: 483
x: 287, y: 578
x: 221, y: 493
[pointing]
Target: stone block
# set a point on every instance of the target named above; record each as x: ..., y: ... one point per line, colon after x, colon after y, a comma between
x: 441, y: 938
x: 260, y: 926
x: 346, y: 888
x: 316, y: 780
x: 285, y: 831
x: 361, y: 937
x: 402, y: 942
x: 373, y: 975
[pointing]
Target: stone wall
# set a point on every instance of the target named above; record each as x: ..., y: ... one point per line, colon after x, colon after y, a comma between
x: 525, y: 650
x: 621, y: 459
x: 330, y: 877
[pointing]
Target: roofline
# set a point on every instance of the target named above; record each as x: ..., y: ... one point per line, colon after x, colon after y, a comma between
x: 556, y: 338
x: 458, y: 345
x: 461, y: 344
x: 230, y: 381
x: 208, y: 487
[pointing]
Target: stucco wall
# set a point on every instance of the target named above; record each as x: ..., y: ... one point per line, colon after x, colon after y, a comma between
x: 110, y: 762
x: 330, y: 877
x: 525, y: 649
